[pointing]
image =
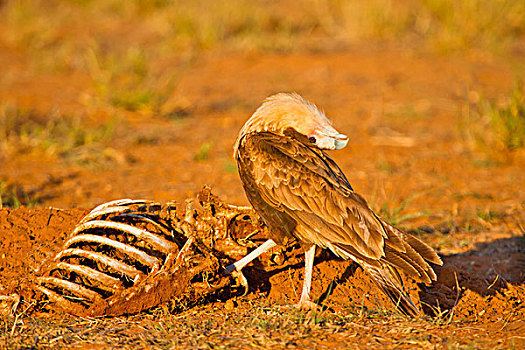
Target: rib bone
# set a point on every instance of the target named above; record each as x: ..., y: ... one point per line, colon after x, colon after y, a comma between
x: 132, y: 252
x: 115, y: 264
x: 105, y: 282
x: 147, y: 219
x: 121, y: 202
x: 62, y: 302
x: 154, y: 240
x: 71, y: 287
x: 103, y: 212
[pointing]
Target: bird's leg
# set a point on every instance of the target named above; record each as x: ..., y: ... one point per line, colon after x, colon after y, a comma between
x: 240, y: 264
x: 236, y: 267
x: 305, y: 302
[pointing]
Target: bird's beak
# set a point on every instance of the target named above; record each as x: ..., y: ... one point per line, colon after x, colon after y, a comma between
x: 329, y: 138
x: 340, y: 141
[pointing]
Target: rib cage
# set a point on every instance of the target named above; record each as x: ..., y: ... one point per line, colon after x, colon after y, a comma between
x: 116, y: 246
x: 129, y: 255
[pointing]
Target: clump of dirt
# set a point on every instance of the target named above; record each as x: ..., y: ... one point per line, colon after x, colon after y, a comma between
x: 30, y: 237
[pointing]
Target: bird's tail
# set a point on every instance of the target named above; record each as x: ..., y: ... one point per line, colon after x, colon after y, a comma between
x: 388, y: 279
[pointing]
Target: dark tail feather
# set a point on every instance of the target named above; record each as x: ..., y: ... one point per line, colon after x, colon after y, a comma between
x: 388, y: 279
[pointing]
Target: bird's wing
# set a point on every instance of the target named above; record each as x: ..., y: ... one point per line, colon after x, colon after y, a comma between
x: 310, y: 187
x: 307, y: 185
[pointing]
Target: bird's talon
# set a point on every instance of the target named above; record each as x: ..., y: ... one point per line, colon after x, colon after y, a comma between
x: 241, y: 281
x: 307, y: 304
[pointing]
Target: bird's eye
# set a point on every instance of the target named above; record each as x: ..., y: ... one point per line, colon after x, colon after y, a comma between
x: 312, y: 139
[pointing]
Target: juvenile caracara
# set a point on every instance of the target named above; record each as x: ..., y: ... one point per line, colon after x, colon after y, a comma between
x: 300, y: 192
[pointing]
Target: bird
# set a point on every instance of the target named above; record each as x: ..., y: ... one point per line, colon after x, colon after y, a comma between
x: 301, y: 193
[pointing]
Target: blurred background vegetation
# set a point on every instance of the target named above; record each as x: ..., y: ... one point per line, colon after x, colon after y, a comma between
x: 132, y: 53
x: 74, y: 30
x: 128, y: 47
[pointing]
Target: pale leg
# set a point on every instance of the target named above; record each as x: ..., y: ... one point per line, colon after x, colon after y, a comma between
x: 305, y: 302
x: 238, y: 265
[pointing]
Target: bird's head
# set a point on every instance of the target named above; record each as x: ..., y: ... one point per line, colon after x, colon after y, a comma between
x: 290, y: 114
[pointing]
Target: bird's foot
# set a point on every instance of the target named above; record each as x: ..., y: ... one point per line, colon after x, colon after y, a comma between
x: 307, y: 305
x: 241, y: 281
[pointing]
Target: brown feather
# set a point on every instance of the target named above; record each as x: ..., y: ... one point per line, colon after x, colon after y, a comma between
x: 395, y: 238
x: 403, y: 262
x: 422, y: 248
x: 388, y: 280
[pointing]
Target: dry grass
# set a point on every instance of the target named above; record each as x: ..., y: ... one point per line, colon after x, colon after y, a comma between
x: 14, y: 196
x: 447, y: 25
x: 253, y: 324
x: 68, y: 137
x: 120, y: 43
x: 496, y: 128
x: 396, y: 213
x: 180, y: 27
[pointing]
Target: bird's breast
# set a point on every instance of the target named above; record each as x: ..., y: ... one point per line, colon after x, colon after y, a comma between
x: 281, y: 226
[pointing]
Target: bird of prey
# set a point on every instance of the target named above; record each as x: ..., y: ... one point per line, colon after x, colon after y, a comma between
x: 301, y: 193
